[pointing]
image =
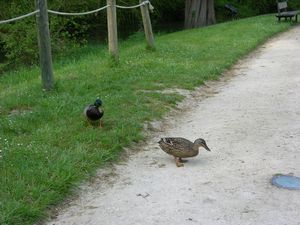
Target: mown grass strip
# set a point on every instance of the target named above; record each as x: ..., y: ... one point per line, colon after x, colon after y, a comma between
x: 46, y: 146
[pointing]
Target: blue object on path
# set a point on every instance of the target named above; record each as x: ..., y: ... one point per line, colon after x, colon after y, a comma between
x: 286, y: 181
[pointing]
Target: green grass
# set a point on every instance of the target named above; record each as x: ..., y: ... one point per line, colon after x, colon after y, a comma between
x: 46, y: 146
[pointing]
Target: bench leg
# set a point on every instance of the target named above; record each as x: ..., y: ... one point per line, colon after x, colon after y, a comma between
x: 279, y: 19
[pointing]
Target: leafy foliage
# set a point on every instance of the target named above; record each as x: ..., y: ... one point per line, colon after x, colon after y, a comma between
x: 247, y: 8
x: 20, y: 38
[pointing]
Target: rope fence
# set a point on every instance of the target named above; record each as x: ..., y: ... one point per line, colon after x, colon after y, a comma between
x: 77, y: 14
x: 19, y: 17
x: 44, y: 35
x: 136, y: 6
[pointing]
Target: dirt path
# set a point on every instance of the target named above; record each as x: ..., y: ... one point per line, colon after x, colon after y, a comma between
x: 252, y: 125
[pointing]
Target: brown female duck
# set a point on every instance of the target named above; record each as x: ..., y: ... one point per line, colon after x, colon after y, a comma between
x: 181, y: 148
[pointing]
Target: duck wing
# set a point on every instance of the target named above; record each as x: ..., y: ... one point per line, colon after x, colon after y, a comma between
x: 176, y: 146
x: 93, y: 113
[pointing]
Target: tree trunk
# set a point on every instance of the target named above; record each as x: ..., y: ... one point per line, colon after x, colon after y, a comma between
x: 199, y: 13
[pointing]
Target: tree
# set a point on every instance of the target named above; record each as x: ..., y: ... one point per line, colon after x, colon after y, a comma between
x: 199, y: 13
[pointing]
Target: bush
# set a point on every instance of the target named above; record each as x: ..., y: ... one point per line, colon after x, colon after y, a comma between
x: 18, y: 40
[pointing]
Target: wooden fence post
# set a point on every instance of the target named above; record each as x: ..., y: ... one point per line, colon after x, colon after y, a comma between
x: 112, y: 30
x: 147, y: 25
x: 44, y: 44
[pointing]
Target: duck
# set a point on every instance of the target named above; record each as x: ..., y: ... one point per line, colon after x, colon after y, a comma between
x: 181, y: 148
x: 94, y: 112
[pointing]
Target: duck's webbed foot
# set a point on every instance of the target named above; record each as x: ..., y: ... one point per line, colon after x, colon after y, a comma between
x: 178, y: 163
x: 183, y: 160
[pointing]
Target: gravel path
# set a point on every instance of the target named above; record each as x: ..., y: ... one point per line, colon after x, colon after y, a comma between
x: 250, y: 120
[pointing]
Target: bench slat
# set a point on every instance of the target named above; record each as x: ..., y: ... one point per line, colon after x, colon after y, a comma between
x: 288, y: 13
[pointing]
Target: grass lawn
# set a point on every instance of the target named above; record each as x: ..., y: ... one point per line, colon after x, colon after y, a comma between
x: 47, y: 146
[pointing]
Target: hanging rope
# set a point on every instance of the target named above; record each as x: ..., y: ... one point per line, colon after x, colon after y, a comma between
x: 77, y: 14
x: 134, y: 6
x: 19, y: 17
x: 97, y: 10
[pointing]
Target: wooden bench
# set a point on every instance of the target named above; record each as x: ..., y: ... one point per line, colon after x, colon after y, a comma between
x: 283, y: 13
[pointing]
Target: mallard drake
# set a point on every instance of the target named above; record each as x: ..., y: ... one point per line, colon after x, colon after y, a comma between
x: 94, y: 112
x: 181, y: 148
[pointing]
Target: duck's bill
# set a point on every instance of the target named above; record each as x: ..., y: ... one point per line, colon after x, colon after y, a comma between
x: 207, y: 148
